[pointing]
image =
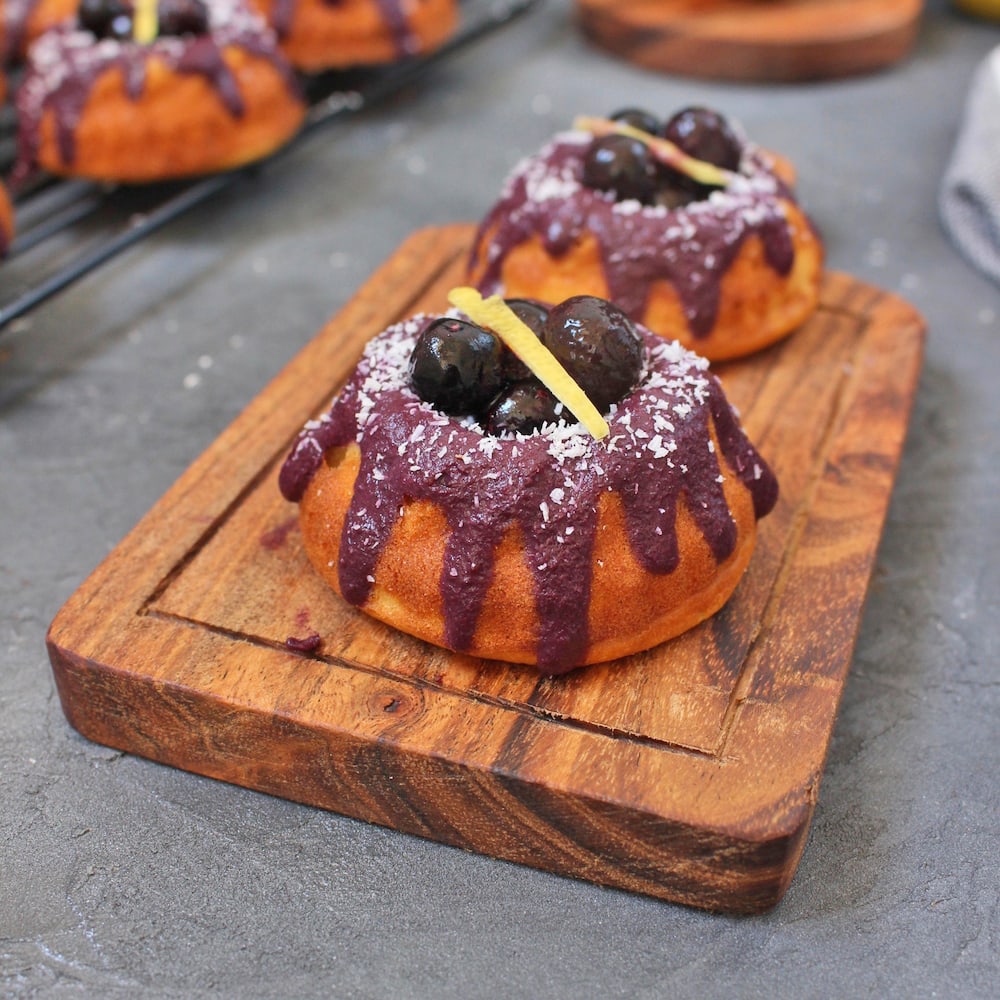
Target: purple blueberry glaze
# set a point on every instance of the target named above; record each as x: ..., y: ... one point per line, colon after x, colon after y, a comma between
x: 690, y: 247
x: 404, y: 38
x: 65, y: 63
x: 548, y: 482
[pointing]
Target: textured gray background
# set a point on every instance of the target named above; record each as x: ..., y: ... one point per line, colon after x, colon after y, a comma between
x: 119, y: 877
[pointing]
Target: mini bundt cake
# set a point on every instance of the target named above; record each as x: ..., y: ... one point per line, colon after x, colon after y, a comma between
x: 450, y: 494
x: 693, y: 230
x: 209, y: 92
x: 318, y: 35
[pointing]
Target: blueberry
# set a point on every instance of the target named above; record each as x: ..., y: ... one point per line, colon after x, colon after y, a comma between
x: 523, y: 407
x: 182, y: 17
x: 674, y: 194
x: 705, y: 135
x: 533, y: 314
x: 598, y: 345
x: 530, y: 312
x: 620, y: 164
x: 455, y: 366
x: 638, y: 118
x: 121, y: 28
x: 106, y: 18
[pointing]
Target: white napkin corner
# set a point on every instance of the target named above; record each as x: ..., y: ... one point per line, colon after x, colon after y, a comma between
x: 969, y: 201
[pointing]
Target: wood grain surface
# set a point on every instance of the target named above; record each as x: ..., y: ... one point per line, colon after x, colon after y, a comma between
x: 762, y: 40
x: 689, y: 772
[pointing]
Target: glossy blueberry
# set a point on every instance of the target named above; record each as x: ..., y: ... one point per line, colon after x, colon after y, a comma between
x: 620, y: 164
x: 182, y: 17
x: 106, y: 18
x: 705, y: 135
x: 598, y: 345
x: 638, y: 118
x: 455, y: 366
x: 523, y: 407
x: 674, y: 194
x: 533, y: 314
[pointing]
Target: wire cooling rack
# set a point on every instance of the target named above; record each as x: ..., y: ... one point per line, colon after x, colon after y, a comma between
x: 66, y: 229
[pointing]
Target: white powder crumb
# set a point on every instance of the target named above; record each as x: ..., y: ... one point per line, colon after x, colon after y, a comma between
x: 628, y: 207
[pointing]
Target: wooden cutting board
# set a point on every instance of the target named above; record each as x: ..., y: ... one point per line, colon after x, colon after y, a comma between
x: 689, y: 772
x: 761, y: 40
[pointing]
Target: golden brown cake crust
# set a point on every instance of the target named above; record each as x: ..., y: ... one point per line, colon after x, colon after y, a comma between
x: 630, y: 610
x: 156, y: 136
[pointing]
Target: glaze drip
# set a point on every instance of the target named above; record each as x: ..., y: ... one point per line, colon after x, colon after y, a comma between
x: 690, y: 247
x: 66, y: 62
x: 548, y: 483
x: 393, y: 16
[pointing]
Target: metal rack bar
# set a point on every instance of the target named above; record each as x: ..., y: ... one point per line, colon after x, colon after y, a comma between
x: 327, y: 106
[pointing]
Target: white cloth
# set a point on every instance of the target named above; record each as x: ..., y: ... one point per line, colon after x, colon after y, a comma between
x: 969, y: 201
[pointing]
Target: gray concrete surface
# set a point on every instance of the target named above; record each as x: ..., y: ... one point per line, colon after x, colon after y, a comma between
x: 123, y: 878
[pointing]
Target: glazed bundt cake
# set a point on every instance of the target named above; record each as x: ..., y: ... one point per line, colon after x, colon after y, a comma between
x: 449, y: 492
x: 689, y: 227
x: 209, y: 91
